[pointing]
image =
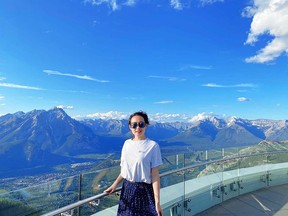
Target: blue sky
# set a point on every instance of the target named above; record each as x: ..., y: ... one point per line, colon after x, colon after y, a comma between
x: 174, y: 59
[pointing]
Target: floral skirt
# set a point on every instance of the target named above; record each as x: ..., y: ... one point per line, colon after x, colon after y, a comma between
x: 136, y: 199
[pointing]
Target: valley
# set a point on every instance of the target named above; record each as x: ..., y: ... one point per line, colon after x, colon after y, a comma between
x: 41, y: 146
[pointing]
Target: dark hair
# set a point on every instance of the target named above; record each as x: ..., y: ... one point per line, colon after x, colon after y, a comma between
x: 139, y: 113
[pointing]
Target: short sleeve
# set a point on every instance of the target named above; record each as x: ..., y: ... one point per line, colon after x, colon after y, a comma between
x: 156, y: 157
x: 122, y: 154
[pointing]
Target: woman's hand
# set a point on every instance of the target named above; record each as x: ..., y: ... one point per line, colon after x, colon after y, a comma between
x: 159, y: 210
x: 111, y: 189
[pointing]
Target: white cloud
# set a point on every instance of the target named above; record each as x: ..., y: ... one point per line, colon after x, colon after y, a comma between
x: 196, y: 67
x: 72, y: 91
x: 117, y: 4
x: 245, y: 85
x: 130, y: 3
x: 85, y: 77
x: 157, y: 117
x: 206, y: 2
x: 213, y: 85
x: 176, y: 4
x: 201, y: 116
x: 108, y: 115
x: 2, y: 78
x: 241, y: 85
x: 113, y: 4
x: 110, y: 3
x: 164, y: 117
x: 167, y: 78
x: 165, y: 102
x: 269, y: 18
x: 132, y: 98
x: 243, y: 99
x: 65, y: 107
x: 1, y: 97
x: 11, y: 85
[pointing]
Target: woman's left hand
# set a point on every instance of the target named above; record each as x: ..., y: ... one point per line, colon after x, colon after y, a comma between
x: 159, y: 210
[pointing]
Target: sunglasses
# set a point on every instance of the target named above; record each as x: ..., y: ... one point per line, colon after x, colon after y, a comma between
x: 134, y: 125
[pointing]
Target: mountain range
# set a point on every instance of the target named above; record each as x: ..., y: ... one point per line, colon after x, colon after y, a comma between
x: 47, y: 138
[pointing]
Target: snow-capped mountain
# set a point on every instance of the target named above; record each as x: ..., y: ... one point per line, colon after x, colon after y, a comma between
x: 42, y: 137
x: 273, y: 129
x: 50, y: 137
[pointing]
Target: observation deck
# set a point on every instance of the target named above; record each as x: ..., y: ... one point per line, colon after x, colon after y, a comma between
x: 215, y: 182
x: 266, y: 201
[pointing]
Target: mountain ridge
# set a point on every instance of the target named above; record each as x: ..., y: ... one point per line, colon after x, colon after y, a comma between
x: 43, y: 138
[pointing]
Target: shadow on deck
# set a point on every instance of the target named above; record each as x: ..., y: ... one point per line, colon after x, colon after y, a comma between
x: 267, y: 201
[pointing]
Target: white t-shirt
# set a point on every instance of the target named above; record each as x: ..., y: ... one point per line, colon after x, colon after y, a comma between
x: 137, y: 159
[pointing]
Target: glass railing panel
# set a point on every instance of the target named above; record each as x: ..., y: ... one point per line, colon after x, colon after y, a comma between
x: 277, y: 168
x: 95, y: 183
x: 106, y: 206
x: 202, y: 187
x: 202, y: 156
x: 172, y: 185
x: 277, y: 158
x: 233, y: 151
x: 195, y: 157
x: 278, y: 177
x: 231, y: 185
x: 198, y: 157
x: 172, y: 162
x: 191, y: 183
x: 252, y: 173
x: 172, y: 194
x: 214, y: 154
x: 41, y: 198
x: 255, y: 149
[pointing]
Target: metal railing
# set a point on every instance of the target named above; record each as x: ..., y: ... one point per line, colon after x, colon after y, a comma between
x: 95, y: 200
x: 214, y: 175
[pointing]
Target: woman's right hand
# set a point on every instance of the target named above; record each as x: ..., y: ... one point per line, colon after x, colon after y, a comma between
x: 110, y: 190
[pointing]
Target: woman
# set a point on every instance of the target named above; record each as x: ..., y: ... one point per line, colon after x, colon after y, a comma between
x: 140, y: 161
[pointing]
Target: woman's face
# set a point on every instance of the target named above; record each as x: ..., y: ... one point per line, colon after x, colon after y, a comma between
x: 138, y: 132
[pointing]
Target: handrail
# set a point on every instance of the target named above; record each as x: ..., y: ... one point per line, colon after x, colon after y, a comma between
x: 79, y: 203
x: 220, y: 161
x: 99, y: 196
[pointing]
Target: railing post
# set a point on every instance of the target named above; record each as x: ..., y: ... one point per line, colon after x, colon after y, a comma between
x: 80, y: 192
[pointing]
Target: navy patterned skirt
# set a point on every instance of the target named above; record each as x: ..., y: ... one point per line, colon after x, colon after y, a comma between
x: 136, y: 199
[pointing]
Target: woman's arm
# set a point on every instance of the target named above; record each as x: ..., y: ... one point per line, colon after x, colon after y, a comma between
x: 112, y: 188
x: 156, y: 189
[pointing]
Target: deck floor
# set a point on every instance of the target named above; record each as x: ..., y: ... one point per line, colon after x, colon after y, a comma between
x: 268, y: 201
